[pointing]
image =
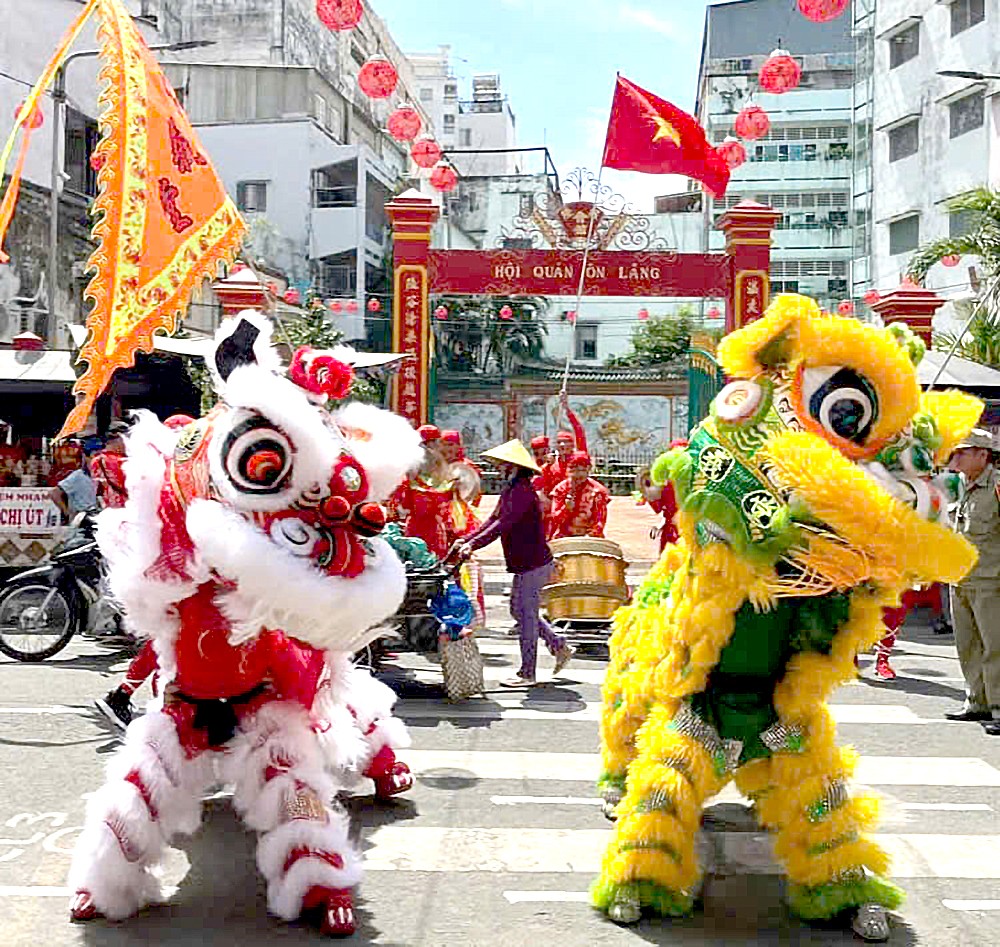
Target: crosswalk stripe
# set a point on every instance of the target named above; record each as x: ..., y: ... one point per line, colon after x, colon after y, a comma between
x: 513, y: 709
x: 584, y: 767
x: 572, y: 674
x: 958, y: 905
x: 547, y: 897
x: 546, y: 801
x: 579, y: 851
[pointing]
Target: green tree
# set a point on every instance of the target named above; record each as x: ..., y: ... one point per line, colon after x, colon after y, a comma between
x: 981, y: 339
x: 658, y: 340
x: 475, y: 338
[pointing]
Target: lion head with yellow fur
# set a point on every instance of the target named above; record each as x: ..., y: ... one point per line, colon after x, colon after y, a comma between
x: 821, y: 460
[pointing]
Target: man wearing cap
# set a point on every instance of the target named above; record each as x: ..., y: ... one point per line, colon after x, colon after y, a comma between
x: 579, y: 503
x: 517, y: 522
x: 975, y: 604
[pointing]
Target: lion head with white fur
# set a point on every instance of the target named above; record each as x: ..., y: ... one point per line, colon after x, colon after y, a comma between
x: 271, y: 495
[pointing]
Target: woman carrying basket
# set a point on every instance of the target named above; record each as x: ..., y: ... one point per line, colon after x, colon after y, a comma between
x: 517, y: 522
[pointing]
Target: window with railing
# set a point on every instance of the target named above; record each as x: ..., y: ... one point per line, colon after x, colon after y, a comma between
x: 904, y: 234
x: 966, y: 13
x: 966, y: 114
x: 337, y: 279
x: 80, y: 140
x: 342, y: 196
x: 961, y: 223
x: 586, y: 342
x: 904, y: 46
x: 904, y: 140
x: 766, y: 153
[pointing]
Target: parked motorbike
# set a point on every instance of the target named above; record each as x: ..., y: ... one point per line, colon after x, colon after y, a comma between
x: 42, y: 608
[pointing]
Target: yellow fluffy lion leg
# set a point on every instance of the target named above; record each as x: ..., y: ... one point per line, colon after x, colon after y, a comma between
x: 651, y: 861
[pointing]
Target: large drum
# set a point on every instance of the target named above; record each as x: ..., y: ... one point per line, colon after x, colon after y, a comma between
x: 588, y: 582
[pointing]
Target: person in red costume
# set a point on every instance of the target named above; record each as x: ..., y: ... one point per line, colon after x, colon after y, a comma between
x: 429, y: 501
x: 579, y: 503
x: 453, y: 451
x: 248, y: 552
x: 662, y: 500
x: 107, y: 468
x: 893, y: 619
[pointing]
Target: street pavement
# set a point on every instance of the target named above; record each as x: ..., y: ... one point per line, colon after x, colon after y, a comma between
x: 500, y: 837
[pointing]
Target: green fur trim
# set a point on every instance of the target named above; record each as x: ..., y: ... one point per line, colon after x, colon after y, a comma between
x: 672, y: 465
x: 822, y: 902
x: 611, y: 781
x: 661, y: 901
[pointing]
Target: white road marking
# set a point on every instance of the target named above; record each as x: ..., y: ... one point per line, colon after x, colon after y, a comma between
x: 506, y: 708
x: 566, y: 851
x: 571, y: 675
x: 546, y: 801
x: 955, y: 905
x: 945, y: 806
x: 53, y: 710
x: 584, y: 767
x: 54, y: 891
x: 547, y: 897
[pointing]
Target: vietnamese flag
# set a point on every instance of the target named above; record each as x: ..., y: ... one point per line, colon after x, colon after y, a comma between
x: 648, y: 134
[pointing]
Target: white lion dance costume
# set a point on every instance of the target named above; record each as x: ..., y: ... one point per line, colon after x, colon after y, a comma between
x: 248, y: 552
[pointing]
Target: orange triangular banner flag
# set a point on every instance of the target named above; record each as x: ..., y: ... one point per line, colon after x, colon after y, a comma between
x: 163, y: 219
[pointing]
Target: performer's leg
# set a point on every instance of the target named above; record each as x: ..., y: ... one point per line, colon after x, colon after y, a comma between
x: 153, y: 792
x: 304, y: 852
x: 527, y: 626
x: 371, y: 704
x: 831, y: 864
x: 623, y: 709
x: 651, y: 861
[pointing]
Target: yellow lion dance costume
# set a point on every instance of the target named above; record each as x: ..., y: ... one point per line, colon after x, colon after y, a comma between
x: 808, y: 502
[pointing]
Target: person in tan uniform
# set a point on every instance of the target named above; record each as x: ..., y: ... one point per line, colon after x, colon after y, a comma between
x: 975, y: 604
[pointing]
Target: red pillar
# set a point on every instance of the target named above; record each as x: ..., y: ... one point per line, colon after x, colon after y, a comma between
x: 748, y: 228
x: 913, y: 305
x: 241, y: 289
x: 412, y: 216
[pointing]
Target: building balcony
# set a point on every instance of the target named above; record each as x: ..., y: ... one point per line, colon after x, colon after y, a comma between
x: 334, y: 230
x: 817, y: 170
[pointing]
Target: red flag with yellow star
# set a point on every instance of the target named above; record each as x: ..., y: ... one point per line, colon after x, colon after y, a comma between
x: 648, y: 134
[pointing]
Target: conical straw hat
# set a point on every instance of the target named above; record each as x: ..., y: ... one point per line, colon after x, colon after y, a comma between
x: 513, y: 452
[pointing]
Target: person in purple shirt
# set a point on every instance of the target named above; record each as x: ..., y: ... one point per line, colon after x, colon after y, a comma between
x: 518, y: 523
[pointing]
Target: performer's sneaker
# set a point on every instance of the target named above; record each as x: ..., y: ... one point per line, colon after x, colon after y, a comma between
x: 82, y: 907
x: 336, y: 910
x: 883, y: 669
x: 871, y: 923
x: 396, y: 780
x: 117, y: 707
x: 563, y: 656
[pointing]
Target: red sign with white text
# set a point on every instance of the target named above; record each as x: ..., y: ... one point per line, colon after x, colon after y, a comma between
x: 557, y: 273
x: 411, y: 336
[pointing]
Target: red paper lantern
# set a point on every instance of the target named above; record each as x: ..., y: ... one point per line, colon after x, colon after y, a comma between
x: 752, y: 123
x: 845, y: 307
x: 441, y: 312
x: 425, y: 152
x: 822, y: 11
x: 97, y: 162
x: 732, y: 152
x: 506, y: 312
x: 952, y: 259
x: 35, y: 120
x: 571, y: 316
x: 404, y: 123
x: 339, y: 14
x: 780, y: 73
x: 292, y: 296
x: 378, y: 78
x: 872, y: 297
x: 643, y: 315
x: 444, y: 178
x: 374, y: 305
x: 336, y: 305
x: 351, y: 306
x: 714, y: 312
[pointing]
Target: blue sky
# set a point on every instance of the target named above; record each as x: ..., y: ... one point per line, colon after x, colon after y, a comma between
x: 557, y: 61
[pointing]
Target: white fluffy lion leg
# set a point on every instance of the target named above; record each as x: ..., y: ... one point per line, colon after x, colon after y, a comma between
x: 153, y: 792
x: 304, y: 852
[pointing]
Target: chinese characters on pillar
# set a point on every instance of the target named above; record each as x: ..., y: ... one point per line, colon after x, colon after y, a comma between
x: 752, y: 292
x: 411, y: 336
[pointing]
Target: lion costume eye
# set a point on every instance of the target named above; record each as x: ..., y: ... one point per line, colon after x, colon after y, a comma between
x: 841, y: 400
x: 257, y: 457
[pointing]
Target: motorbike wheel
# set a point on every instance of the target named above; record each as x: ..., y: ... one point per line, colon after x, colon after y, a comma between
x: 36, y: 621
